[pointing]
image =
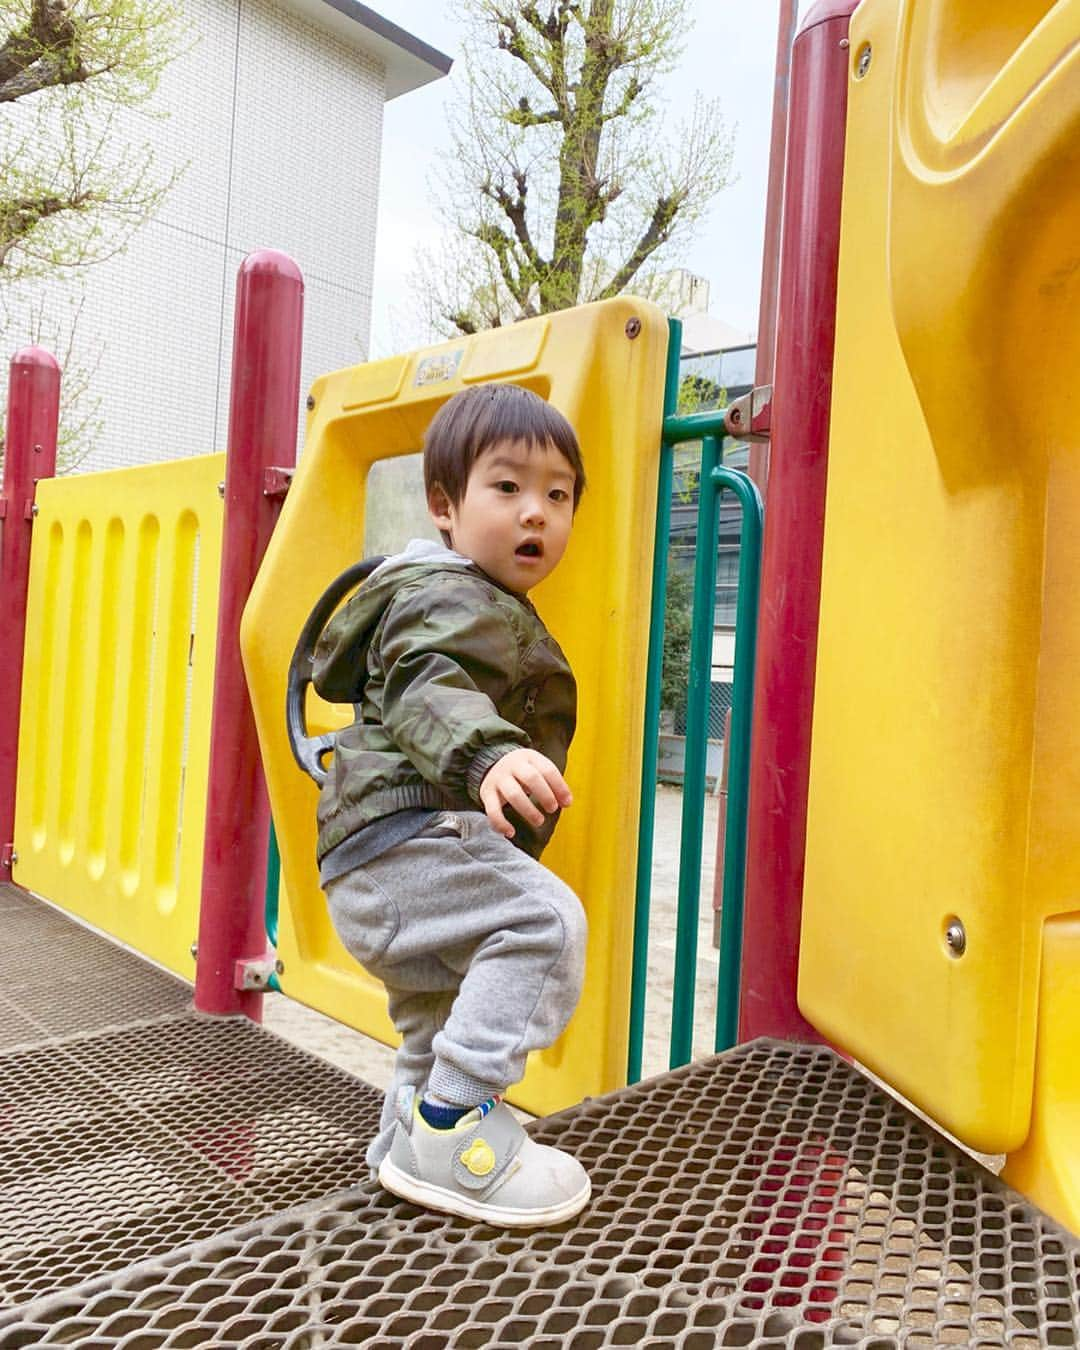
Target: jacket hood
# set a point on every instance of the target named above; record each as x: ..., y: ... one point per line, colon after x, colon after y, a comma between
x: 339, y: 672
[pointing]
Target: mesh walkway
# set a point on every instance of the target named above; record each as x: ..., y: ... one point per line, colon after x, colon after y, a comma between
x: 170, y: 1181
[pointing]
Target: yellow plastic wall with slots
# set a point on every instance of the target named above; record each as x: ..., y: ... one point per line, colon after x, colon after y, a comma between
x: 610, y: 386
x: 114, y: 733
x: 945, y: 771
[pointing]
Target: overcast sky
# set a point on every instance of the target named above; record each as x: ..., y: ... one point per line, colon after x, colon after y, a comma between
x: 730, y: 54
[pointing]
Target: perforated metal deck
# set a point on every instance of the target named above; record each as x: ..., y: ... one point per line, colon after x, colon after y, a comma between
x: 769, y: 1197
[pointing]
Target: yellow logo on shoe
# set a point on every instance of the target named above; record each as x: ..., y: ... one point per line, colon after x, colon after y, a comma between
x: 479, y: 1158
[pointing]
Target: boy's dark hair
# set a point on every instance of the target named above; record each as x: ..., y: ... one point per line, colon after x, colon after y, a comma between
x: 478, y: 418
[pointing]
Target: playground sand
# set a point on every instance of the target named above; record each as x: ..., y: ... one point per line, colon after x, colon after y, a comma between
x: 372, y: 1062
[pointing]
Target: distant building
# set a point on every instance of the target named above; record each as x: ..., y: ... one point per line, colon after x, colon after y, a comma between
x: 274, y: 116
x: 686, y: 296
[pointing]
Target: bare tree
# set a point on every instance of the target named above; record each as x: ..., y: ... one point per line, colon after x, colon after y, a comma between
x: 73, y: 185
x: 562, y: 186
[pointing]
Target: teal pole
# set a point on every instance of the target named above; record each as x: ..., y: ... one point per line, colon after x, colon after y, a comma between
x: 742, y: 707
x: 643, y: 888
x: 697, y: 718
x: 273, y: 879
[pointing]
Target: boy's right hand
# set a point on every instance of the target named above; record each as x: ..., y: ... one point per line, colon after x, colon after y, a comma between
x: 527, y: 781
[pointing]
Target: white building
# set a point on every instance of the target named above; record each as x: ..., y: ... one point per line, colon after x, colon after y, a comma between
x: 274, y: 115
x: 686, y: 295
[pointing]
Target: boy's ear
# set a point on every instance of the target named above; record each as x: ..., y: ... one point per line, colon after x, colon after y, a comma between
x: 439, y: 507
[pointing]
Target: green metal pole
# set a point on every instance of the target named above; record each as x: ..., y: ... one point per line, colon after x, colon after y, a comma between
x: 273, y: 879
x: 742, y: 707
x: 694, y: 426
x: 697, y: 719
x: 643, y: 890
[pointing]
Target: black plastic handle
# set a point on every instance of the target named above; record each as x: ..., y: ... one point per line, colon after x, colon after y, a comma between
x: 308, y: 751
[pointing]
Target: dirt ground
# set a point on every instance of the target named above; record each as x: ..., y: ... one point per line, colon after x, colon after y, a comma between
x: 372, y: 1062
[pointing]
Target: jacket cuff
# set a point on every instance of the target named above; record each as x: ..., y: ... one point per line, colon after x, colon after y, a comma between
x: 482, y: 761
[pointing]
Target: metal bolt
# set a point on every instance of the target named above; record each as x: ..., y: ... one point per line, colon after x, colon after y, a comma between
x: 633, y: 328
x: 845, y: 43
x: 194, y: 949
x: 310, y: 402
x: 865, y: 56
x: 279, y: 966
x: 37, y: 449
x: 221, y: 490
x: 956, y: 938
x: 35, y: 509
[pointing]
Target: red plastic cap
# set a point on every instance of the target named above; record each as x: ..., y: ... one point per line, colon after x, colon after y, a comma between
x: 36, y: 356
x: 272, y: 260
x: 825, y: 10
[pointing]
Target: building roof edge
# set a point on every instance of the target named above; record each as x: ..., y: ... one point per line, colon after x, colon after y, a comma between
x: 409, y: 61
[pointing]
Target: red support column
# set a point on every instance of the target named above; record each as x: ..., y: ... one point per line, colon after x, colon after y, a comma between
x: 33, y: 413
x: 263, y: 410
x: 770, y: 256
x: 794, y: 527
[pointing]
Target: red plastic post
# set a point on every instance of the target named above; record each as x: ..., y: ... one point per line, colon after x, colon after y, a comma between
x: 33, y: 413
x: 794, y: 528
x: 263, y: 409
x: 770, y: 258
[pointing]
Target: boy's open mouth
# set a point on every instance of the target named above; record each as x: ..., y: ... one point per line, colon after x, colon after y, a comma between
x: 530, y: 549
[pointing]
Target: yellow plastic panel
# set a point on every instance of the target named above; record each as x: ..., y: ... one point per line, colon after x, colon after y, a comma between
x: 114, y: 737
x: 945, y: 771
x: 1047, y: 1168
x: 611, y: 388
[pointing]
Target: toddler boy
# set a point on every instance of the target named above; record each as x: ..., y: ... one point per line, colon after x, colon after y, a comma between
x: 441, y: 796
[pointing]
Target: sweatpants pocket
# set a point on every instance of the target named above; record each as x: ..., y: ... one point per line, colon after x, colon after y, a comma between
x: 364, y: 916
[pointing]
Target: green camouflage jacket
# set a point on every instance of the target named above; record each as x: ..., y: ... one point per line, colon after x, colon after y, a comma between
x: 450, y: 671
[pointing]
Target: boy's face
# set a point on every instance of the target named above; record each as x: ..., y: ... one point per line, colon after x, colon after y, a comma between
x: 515, y: 517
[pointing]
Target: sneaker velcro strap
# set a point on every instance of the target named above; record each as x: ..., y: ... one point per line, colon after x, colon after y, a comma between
x: 487, y: 1150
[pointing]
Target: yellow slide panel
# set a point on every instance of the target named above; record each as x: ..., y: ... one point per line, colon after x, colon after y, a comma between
x: 609, y: 383
x: 114, y: 734
x: 945, y: 771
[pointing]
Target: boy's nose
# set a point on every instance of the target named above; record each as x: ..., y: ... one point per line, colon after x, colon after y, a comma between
x: 532, y: 512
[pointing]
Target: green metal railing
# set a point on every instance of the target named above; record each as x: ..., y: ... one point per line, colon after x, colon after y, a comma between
x: 715, y: 478
x: 273, y: 885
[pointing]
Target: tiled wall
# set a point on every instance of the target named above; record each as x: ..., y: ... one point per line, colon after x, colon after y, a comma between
x: 277, y: 127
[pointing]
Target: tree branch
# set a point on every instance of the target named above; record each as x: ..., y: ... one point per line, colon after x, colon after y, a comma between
x: 655, y: 233
x: 20, y: 216
x: 514, y: 210
x: 512, y: 41
x: 503, y: 248
x: 524, y: 115
x: 42, y: 54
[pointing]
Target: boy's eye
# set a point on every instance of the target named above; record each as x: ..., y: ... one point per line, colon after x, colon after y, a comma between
x: 506, y: 486
x: 559, y: 495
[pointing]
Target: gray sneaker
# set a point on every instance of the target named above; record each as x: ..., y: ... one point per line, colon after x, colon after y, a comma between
x: 485, y: 1168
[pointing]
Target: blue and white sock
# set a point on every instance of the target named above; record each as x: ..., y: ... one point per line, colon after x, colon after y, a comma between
x: 442, y: 1115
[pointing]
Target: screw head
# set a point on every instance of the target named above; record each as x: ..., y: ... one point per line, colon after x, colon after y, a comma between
x: 862, y: 65
x: 194, y: 949
x: 221, y: 490
x: 310, y: 402
x: 633, y: 328
x: 956, y: 938
x: 279, y: 966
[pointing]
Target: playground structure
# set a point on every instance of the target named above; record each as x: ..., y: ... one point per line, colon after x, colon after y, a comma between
x: 177, y: 1179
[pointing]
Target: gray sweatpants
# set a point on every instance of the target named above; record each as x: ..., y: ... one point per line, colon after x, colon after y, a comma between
x: 481, y: 950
